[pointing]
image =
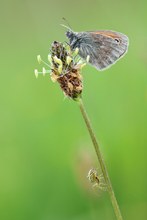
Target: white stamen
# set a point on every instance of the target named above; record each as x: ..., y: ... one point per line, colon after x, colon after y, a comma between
x: 43, y: 71
x: 80, y: 62
x: 68, y: 60
x: 88, y: 58
x: 54, y: 77
x: 39, y: 59
x: 68, y: 49
x: 36, y: 73
x: 84, y: 64
x: 60, y: 68
x: 76, y: 51
x: 50, y: 58
x: 57, y: 60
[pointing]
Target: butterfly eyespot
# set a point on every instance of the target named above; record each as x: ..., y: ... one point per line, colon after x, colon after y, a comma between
x: 117, y: 40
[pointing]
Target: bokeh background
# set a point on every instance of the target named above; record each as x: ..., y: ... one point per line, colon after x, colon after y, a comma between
x: 45, y: 149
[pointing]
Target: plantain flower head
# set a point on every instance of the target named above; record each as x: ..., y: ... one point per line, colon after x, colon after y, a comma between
x: 65, y: 68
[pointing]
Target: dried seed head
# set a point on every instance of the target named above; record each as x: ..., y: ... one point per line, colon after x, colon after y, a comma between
x: 71, y: 84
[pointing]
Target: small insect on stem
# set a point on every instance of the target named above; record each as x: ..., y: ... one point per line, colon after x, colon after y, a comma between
x: 96, y: 179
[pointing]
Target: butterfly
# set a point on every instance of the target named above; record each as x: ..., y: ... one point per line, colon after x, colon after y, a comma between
x: 102, y: 47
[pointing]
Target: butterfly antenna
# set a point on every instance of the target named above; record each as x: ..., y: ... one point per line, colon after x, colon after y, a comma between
x: 68, y: 27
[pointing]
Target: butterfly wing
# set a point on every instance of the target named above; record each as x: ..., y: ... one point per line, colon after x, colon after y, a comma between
x: 103, y: 47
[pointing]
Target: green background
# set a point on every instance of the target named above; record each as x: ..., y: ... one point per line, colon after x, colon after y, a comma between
x: 45, y: 149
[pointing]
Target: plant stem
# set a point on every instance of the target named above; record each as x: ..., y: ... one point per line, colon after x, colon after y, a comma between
x: 101, y: 161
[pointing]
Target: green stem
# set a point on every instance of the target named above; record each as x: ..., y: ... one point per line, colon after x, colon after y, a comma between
x: 101, y: 161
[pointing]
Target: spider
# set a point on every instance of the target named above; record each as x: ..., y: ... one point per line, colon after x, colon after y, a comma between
x: 96, y: 179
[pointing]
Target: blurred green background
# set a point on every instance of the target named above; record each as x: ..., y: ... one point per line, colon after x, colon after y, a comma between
x: 45, y: 149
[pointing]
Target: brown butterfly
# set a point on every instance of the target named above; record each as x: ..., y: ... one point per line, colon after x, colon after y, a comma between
x: 103, y: 47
